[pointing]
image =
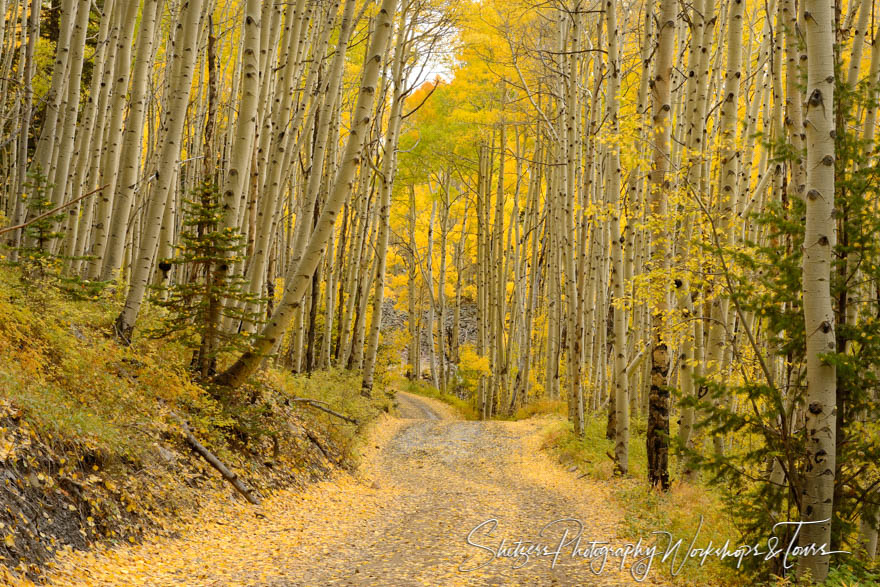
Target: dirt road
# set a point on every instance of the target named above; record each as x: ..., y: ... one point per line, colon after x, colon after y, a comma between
x: 426, y: 481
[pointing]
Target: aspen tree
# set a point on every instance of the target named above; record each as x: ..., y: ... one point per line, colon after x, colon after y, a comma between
x: 8, y: 172
x: 551, y: 367
x: 279, y: 140
x: 3, y: 24
x: 64, y: 144
x: 868, y: 534
x: 325, y: 115
x: 329, y: 286
x: 819, y: 238
x: 483, y: 315
x: 640, y: 236
x: 728, y: 196
x: 621, y: 386
x: 242, y: 145
x: 184, y: 59
x: 333, y: 265
x: 108, y: 257
x: 414, y: 322
x: 441, y: 287
x: 356, y: 356
x: 858, y: 44
x: 498, y: 290
x: 704, y: 20
x: 91, y: 128
x: 658, y: 397
x: 96, y: 148
x: 429, y: 282
x: 386, y: 180
x: 793, y: 97
x: 354, y: 281
x: 521, y: 383
x: 42, y: 160
x: 301, y: 275
x: 567, y: 195
x: 28, y: 70
x: 114, y: 145
x: 458, y: 260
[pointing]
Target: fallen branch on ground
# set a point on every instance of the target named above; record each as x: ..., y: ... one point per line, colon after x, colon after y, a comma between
x: 323, y: 407
x: 320, y: 446
x: 215, y: 462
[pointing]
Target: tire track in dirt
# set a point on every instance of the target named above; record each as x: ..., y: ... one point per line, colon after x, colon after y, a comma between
x: 448, y: 476
x: 426, y: 480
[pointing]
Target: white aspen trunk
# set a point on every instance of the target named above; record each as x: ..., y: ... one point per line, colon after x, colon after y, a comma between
x: 329, y: 291
x: 600, y: 349
x: 271, y: 190
x: 532, y: 272
x: 704, y: 19
x: 356, y: 358
x: 868, y: 534
x: 242, y: 147
x: 58, y: 173
x: 334, y: 266
x: 3, y: 23
x: 413, y: 310
x: 819, y: 239
x: 551, y: 368
x: 640, y: 334
x: 869, y: 127
x: 728, y: 196
x: 860, y: 35
x: 458, y: 253
x: 498, y: 289
x: 185, y: 53
x: 483, y: 316
x: 429, y: 279
x: 42, y: 159
x: 165, y: 249
x: 793, y: 97
x: 621, y: 385
x: 83, y: 144
x: 112, y: 144
x: 305, y: 220
x: 104, y: 201
x: 301, y: 275
x: 235, y: 192
x: 568, y: 196
x: 354, y: 275
x: 29, y: 66
x: 109, y: 256
x: 386, y: 180
x: 441, y: 285
x: 658, y: 397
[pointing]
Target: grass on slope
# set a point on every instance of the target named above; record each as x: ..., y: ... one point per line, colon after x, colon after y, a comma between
x: 91, y: 448
x: 679, y: 511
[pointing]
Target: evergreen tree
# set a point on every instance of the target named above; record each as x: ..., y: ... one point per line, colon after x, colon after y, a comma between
x: 35, y: 255
x: 764, y: 484
x: 40, y: 263
x: 204, y: 291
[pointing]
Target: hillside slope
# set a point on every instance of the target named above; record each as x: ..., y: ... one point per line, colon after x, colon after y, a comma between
x: 92, y: 445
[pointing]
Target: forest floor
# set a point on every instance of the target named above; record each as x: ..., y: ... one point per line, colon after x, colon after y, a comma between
x: 425, y: 481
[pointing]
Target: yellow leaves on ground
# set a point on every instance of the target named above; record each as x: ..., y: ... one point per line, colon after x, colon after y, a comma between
x: 400, y: 520
x: 234, y: 543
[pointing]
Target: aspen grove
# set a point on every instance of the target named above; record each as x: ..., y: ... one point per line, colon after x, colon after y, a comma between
x: 662, y: 216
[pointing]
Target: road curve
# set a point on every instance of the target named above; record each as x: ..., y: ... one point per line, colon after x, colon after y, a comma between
x: 426, y: 481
